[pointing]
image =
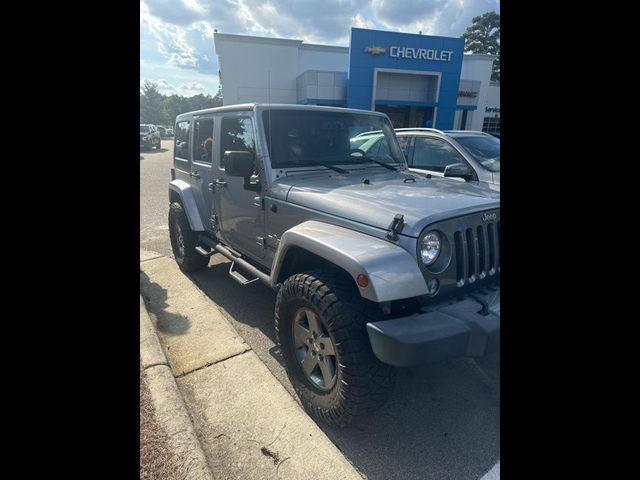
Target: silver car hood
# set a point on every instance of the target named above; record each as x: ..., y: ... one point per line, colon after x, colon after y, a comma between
x: 421, y: 200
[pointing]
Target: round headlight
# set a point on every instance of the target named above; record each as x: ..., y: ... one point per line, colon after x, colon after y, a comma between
x: 430, y: 247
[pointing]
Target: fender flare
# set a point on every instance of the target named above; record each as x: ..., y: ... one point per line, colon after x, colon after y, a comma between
x: 184, y: 190
x: 392, y: 272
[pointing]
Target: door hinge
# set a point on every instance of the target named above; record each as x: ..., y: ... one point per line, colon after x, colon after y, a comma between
x: 262, y: 241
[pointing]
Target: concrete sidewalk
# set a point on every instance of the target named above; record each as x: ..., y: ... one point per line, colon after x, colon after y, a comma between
x: 247, y: 424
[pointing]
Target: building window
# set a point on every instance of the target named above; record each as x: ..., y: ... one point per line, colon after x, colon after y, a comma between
x: 491, y: 125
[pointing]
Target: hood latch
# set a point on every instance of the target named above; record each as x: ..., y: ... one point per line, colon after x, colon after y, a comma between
x: 395, y: 226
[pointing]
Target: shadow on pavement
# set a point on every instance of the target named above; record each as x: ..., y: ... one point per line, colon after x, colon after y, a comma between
x: 153, y: 152
x: 155, y: 297
x: 442, y: 421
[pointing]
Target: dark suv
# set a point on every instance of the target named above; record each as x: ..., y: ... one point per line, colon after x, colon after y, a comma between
x: 149, y: 137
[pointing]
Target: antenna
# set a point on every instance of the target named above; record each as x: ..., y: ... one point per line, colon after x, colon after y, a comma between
x: 269, y: 106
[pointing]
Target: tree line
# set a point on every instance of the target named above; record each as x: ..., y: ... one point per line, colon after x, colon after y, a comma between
x: 483, y: 36
x: 159, y: 109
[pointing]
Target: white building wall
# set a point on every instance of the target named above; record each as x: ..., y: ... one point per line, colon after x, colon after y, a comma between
x: 321, y: 57
x: 477, y: 67
x: 493, y: 98
x: 246, y: 64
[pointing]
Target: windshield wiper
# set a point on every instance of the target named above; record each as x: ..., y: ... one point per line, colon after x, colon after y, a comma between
x: 319, y: 164
x: 369, y: 159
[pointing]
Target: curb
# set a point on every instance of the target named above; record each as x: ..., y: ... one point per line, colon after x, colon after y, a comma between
x: 170, y: 409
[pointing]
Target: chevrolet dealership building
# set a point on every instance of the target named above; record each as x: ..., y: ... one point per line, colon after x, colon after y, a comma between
x: 417, y: 80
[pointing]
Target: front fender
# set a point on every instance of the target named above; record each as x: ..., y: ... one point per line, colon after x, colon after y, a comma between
x: 184, y: 190
x: 393, y: 274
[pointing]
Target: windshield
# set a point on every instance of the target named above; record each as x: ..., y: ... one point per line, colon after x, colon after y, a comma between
x: 308, y: 137
x: 144, y: 129
x: 485, y: 150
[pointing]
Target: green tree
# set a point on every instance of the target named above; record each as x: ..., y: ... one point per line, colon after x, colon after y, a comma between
x: 152, y: 104
x: 217, y: 99
x: 483, y: 36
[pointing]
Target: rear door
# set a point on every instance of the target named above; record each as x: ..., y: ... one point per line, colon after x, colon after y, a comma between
x: 201, y: 166
x: 182, y: 150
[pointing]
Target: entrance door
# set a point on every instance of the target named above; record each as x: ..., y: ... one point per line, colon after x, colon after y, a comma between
x: 399, y: 116
x: 201, y: 166
x: 239, y: 211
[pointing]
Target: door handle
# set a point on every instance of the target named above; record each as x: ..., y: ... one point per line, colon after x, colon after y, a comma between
x: 194, y: 174
x: 220, y: 181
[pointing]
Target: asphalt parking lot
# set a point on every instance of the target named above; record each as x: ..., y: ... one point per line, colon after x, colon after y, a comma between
x: 442, y: 422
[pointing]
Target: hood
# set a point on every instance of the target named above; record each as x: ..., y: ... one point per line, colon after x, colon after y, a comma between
x: 421, y: 200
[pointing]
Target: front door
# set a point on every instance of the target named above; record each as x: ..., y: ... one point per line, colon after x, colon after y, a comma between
x: 239, y: 211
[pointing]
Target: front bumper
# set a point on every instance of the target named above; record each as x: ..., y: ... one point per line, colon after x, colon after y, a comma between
x: 469, y: 327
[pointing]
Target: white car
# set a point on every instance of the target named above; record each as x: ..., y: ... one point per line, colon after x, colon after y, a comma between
x: 466, y: 154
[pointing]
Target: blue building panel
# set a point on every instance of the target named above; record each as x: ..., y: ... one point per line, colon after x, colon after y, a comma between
x: 371, y: 49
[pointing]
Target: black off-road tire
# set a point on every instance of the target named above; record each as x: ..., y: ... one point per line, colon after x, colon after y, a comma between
x: 187, y: 258
x: 363, y: 383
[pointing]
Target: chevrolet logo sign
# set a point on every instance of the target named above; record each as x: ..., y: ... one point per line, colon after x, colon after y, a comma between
x: 375, y: 50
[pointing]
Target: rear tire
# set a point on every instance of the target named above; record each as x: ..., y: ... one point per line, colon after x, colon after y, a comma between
x: 354, y: 382
x: 184, y: 241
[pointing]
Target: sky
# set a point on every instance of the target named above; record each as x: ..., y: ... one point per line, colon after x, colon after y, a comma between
x: 176, y: 36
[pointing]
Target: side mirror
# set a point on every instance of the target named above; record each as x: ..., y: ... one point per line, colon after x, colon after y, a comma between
x: 238, y: 163
x: 459, y: 170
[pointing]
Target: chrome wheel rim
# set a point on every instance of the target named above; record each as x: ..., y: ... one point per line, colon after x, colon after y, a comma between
x: 314, y: 349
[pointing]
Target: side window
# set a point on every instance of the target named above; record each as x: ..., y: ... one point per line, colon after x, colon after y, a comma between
x: 182, y: 139
x: 434, y: 154
x: 203, y: 140
x: 236, y: 134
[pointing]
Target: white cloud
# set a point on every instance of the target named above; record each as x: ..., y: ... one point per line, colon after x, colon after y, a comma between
x: 360, y: 22
x: 180, y: 32
x: 190, y: 89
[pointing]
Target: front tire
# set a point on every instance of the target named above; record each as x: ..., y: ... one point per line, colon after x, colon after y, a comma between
x: 321, y: 329
x: 184, y: 241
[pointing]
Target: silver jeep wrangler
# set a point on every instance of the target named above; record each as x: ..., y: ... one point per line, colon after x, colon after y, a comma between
x: 375, y: 267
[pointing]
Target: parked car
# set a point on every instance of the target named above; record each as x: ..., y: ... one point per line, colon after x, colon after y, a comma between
x: 375, y: 267
x: 465, y: 154
x: 165, y: 132
x: 149, y: 137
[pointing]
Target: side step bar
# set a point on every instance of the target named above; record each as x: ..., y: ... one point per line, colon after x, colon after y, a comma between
x: 203, y: 252
x: 238, y: 277
x: 235, y: 259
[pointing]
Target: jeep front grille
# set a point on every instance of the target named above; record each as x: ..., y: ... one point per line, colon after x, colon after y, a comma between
x: 477, y: 252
